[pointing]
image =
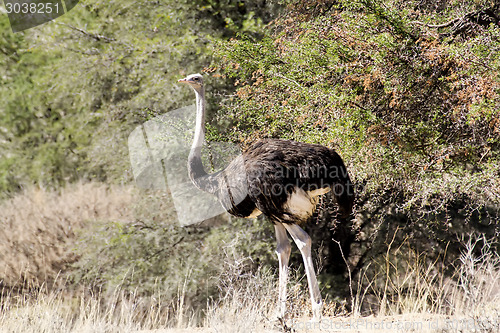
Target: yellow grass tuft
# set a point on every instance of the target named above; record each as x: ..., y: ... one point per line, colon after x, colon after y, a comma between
x: 53, y: 311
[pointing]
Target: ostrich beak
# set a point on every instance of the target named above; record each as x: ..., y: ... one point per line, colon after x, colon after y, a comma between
x: 182, y: 80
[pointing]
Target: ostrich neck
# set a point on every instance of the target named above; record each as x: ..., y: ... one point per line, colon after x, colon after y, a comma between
x: 199, y: 132
x: 195, y: 166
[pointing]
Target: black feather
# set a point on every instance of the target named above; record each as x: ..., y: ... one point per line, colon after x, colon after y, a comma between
x: 268, y: 172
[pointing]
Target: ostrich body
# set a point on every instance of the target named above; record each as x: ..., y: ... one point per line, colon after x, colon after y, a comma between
x: 281, y: 179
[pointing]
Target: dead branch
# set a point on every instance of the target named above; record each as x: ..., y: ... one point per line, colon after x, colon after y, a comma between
x: 483, y: 17
x: 97, y: 37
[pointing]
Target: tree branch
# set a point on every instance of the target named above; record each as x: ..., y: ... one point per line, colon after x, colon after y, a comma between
x: 97, y: 37
x: 489, y: 12
x: 438, y: 26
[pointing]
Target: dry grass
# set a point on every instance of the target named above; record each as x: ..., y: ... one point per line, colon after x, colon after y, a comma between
x: 54, y: 312
x: 429, y: 303
x: 38, y: 228
x: 247, y: 300
x: 422, y: 295
x: 36, y: 239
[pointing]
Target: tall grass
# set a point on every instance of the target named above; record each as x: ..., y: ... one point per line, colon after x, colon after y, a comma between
x: 407, y: 286
x: 420, y: 294
x: 417, y: 288
x: 56, y: 311
x: 247, y: 298
x: 38, y: 228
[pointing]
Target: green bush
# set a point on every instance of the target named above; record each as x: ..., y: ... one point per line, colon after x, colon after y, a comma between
x: 413, y: 108
x: 74, y: 89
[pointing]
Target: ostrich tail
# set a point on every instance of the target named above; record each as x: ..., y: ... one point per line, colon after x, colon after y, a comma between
x: 344, y: 195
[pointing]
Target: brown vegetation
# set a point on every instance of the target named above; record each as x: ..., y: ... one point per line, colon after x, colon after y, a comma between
x: 38, y: 228
x: 409, y: 292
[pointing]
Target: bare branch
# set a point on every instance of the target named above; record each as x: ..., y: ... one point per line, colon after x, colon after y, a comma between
x: 438, y: 26
x: 97, y: 37
x: 490, y: 12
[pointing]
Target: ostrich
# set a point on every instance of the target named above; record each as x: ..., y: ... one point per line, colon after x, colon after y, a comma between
x: 281, y: 179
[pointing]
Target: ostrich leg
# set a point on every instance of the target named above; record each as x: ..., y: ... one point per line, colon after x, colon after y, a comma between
x: 283, y: 251
x: 303, y: 241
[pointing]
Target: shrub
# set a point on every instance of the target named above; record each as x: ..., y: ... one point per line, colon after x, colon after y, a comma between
x: 411, y: 106
x: 154, y: 256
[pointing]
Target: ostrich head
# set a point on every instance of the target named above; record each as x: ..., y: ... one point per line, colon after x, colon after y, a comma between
x: 195, y: 81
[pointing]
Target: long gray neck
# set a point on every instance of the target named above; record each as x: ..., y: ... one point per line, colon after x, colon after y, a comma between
x: 195, y: 167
